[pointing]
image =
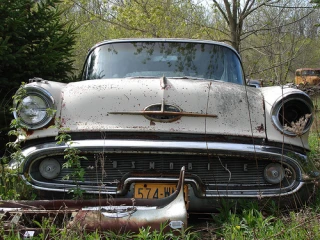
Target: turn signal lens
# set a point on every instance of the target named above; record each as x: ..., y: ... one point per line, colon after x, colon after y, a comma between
x: 274, y: 173
x: 50, y: 168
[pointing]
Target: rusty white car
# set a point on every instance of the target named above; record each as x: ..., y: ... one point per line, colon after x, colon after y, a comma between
x: 147, y: 108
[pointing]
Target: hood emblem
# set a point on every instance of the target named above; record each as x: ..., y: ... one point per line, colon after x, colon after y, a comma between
x: 162, y: 113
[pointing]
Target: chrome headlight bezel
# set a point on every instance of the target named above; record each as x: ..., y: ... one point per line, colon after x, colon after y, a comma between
x: 34, y: 96
x: 298, y: 104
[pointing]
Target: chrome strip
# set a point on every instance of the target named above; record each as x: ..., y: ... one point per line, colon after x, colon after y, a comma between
x: 147, y: 145
x: 68, y: 187
x: 163, y: 113
x: 197, y: 191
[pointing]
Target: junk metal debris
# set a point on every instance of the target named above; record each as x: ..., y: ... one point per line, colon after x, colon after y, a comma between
x: 100, y: 214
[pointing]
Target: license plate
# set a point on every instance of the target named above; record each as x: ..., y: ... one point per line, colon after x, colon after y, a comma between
x: 155, y: 190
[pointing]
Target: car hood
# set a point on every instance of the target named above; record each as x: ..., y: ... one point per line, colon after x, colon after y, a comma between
x: 203, y: 107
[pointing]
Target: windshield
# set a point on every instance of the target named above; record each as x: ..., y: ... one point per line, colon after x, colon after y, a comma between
x: 311, y: 73
x: 169, y: 59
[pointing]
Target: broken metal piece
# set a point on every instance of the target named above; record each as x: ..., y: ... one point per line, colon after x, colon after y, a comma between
x: 121, y: 214
x: 131, y: 218
x: 16, y: 218
x: 28, y: 234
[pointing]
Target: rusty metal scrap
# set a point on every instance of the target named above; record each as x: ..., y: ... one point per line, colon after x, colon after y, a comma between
x: 102, y: 214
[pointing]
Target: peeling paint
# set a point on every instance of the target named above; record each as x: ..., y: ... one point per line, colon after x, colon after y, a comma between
x: 260, y: 128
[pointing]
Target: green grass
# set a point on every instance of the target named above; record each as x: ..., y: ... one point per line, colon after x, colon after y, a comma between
x: 314, y: 144
x: 314, y: 136
x: 49, y: 231
x: 253, y: 224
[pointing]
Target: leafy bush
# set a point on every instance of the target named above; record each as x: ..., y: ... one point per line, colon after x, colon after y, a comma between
x: 34, y: 42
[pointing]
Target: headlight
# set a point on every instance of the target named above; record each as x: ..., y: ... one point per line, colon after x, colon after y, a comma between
x: 50, y: 168
x: 32, y: 109
x: 293, y: 108
x: 274, y: 173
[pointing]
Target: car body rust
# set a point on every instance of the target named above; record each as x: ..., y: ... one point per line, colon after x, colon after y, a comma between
x: 114, y: 214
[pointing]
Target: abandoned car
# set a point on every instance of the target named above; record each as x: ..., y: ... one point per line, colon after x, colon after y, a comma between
x: 146, y: 108
x: 307, y: 76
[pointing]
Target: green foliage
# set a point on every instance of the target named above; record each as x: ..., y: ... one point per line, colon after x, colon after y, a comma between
x: 252, y: 224
x: 110, y: 235
x: 48, y: 230
x: 11, y: 186
x: 6, y: 119
x: 34, y: 42
x: 163, y: 233
x: 63, y: 137
x: 73, y: 158
x: 314, y: 144
x: 15, y: 125
x: 100, y: 20
x: 317, y: 2
x: 314, y: 136
x: 158, y: 19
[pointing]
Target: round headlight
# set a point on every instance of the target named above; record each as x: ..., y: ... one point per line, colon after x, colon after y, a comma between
x: 49, y: 168
x: 294, y: 108
x: 32, y: 109
x: 274, y: 173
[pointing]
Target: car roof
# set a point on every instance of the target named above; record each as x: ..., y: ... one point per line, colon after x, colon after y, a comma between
x: 302, y: 69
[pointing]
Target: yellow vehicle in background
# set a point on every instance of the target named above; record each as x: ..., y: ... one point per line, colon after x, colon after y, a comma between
x: 307, y: 76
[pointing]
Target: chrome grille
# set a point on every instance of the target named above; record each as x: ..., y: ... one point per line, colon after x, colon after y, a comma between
x: 112, y: 168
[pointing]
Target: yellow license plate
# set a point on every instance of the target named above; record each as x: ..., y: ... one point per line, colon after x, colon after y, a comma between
x: 155, y: 190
